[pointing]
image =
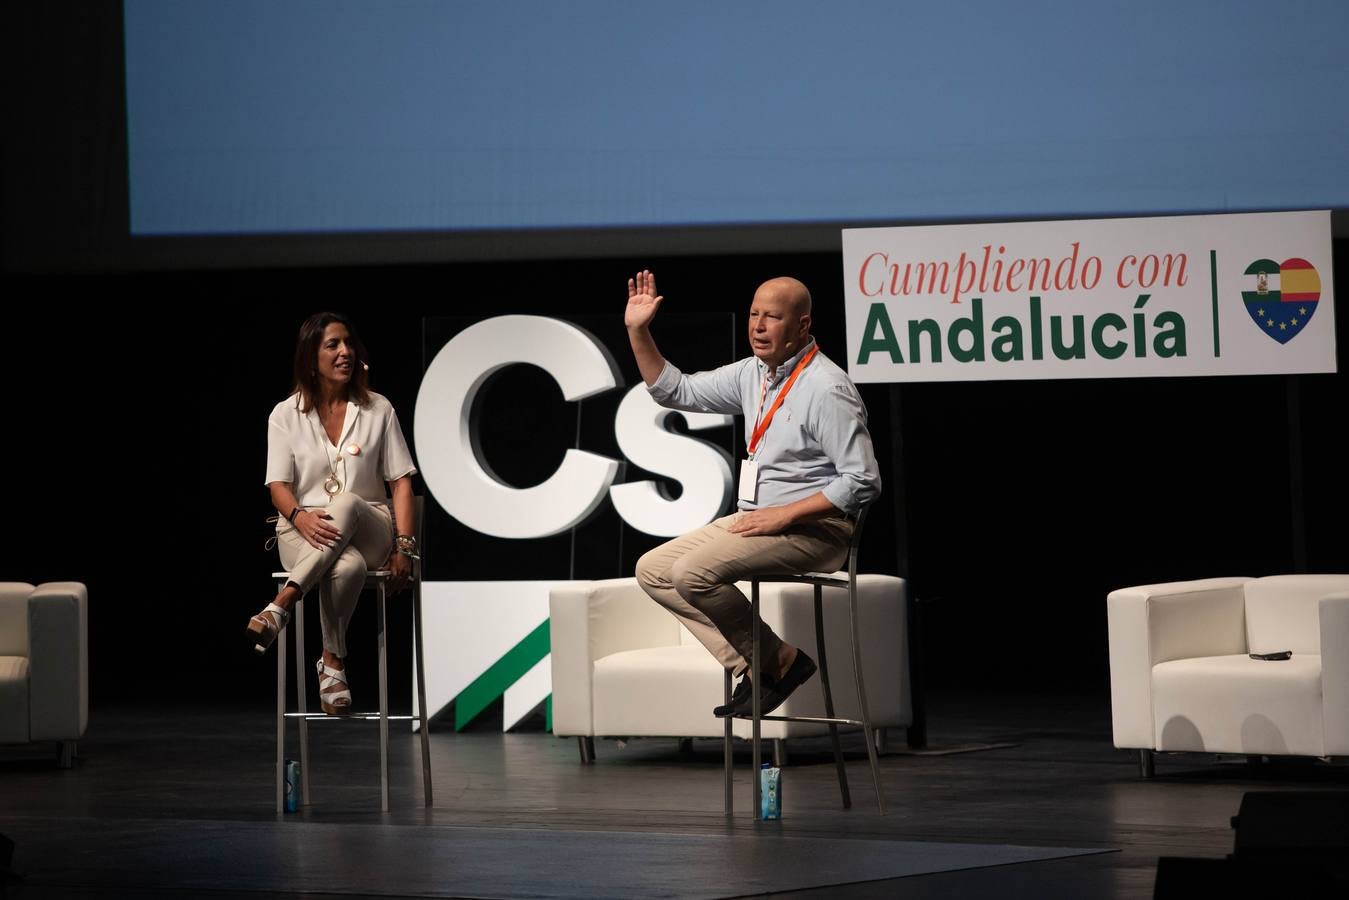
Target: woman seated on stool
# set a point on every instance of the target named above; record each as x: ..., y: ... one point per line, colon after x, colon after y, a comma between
x: 331, y: 447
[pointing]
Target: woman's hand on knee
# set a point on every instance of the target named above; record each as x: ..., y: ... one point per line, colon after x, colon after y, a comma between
x: 317, y: 528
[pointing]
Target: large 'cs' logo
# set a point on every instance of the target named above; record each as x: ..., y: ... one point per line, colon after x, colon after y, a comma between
x: 1283, y: 296
x: 463, y: 484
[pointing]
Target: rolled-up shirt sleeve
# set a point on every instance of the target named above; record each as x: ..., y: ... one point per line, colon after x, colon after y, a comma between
x: 716, y: 391
x: 840, y: 425
x: 397, y: 459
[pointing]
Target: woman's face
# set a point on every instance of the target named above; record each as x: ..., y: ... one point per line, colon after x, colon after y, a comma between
x: 337, y: 355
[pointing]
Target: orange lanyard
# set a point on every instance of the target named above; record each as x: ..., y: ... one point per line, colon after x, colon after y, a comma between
x: 782, y: 395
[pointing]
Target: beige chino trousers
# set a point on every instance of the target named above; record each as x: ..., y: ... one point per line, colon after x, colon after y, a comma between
x: 694, y: 577
x: 339, y: 571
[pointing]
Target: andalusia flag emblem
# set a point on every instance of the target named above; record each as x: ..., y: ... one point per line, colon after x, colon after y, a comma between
x: 1282, y: 297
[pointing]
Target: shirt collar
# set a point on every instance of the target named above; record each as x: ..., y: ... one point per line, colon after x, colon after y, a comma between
x: 785, y: 369
x: 348, y: 421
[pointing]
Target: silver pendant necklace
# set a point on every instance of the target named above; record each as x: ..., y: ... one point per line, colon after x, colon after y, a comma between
x: 332, y: 485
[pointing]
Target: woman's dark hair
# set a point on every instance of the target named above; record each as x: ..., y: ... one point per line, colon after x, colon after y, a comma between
x: 307, y: 359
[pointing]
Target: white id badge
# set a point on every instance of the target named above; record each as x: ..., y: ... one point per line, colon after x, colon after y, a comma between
x: 749, y: 479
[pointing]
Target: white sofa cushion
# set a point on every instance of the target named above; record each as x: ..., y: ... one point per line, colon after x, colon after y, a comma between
x: 658, y: 691
x: 1236, y: 704
x: 1283, y: 611
x: 590, y: 620
x: 13, y: 699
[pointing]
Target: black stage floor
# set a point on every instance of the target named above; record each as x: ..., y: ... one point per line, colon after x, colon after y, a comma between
x: 178, y: 802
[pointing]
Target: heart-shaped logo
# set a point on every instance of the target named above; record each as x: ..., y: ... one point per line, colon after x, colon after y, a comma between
x: 1283, y: 296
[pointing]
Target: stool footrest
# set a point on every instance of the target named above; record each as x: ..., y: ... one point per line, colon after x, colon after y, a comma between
x: 820, y: 719
x: 359, y: 717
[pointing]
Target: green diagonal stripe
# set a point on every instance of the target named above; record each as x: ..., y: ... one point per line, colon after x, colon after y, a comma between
x: 503, y: 673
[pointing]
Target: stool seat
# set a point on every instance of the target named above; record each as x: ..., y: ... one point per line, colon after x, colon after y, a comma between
x: 823, y: 579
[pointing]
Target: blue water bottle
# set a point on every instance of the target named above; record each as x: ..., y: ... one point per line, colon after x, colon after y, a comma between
x: 770, y: 792
x: 292, y: 785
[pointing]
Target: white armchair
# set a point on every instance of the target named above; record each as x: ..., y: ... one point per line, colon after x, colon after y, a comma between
x: 625, y: 667
x: 44, y: 673
x: 1181, y: 678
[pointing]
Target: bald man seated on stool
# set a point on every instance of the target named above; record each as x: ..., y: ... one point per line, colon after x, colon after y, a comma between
x: 810, y: 466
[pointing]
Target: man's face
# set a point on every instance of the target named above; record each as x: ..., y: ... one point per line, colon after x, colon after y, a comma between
x: 777, y: 329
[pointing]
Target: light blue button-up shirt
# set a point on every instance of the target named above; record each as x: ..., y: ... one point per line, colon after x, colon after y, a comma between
x: 817, y: 441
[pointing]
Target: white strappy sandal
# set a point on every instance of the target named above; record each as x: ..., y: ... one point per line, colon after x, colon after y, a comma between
x: 266, y: 625
x: 334, y: 703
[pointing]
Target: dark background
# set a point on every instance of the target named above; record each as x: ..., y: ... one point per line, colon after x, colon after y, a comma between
x: 138, y: 387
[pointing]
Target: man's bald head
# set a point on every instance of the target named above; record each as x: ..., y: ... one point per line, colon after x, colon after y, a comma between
x: 779, y: 320
x: 792, y: 291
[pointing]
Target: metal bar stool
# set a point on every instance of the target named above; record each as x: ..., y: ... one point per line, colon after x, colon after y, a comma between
x: 819, y: 580
x: 378, y: 580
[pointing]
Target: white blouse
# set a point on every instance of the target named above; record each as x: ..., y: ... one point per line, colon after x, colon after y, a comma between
x: 370, y: 452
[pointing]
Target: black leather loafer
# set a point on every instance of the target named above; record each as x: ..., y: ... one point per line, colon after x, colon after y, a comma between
x: 776, y: 691
x: 741, y: 693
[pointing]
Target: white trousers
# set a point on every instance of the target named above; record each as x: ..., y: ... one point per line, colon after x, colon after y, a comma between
x: 339, y: 571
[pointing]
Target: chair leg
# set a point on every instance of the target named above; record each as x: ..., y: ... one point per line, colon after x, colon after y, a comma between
x: 756, y: 705
x: 421, y: 689
x: 685, y: 748
x: 280, y: 723
x: 779, y: 753
x: 65, y: 754
x: 726, y: 753
x: 1145, y: 764
x: 383, y: 702
x: 302, y: 699
x: 867, y: 732
x: 587, y: 747
x: 829, y: 698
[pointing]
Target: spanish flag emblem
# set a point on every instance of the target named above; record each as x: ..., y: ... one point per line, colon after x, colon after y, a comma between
x: 1298, y: 282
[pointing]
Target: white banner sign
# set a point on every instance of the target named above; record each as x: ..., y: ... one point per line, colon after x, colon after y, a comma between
x: 1114, y: 298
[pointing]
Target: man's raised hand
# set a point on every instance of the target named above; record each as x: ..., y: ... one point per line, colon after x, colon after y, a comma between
x: 643, y: 301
